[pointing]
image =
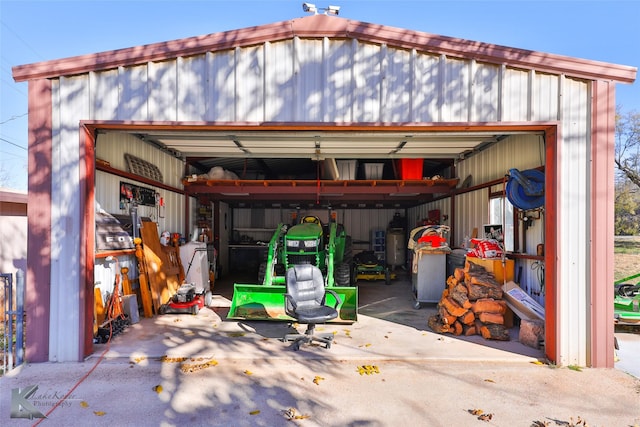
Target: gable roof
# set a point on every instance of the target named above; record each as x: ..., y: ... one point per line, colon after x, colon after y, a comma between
x: 318, y: 26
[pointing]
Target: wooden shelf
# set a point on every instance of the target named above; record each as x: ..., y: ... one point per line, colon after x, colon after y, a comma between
x: 524, y: 256
x: 312, y: 190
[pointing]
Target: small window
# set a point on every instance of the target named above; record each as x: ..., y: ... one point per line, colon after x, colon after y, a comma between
x: 499, y: 206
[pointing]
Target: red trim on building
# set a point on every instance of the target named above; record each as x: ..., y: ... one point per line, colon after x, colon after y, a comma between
x: 38, y: 296
x: 87, y: 241
x: 317, y: 26
x: 552, y: 197
x: 602, y: 224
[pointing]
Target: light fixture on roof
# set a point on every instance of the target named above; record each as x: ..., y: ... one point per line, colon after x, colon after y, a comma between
x: 329, y: 10
x: 310, y: 8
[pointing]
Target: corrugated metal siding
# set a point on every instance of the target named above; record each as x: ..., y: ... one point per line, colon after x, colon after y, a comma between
x: 316, y: 80
x: 71, y: 99
x: 112, y: 147
x: 574, y: 229
x: 358, y: 223
x: 332, y: 80
x: 191, y: 85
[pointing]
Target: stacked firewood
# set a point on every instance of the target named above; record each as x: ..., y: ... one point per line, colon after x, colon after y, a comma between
x: 471, y: 304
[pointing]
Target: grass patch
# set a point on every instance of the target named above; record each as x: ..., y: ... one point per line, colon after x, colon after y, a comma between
x: 627, y: 245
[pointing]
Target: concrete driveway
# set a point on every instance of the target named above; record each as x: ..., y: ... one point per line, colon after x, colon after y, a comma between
x: 385, y: 369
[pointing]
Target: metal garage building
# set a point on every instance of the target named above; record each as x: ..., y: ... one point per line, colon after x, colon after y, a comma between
x: 324, y: 87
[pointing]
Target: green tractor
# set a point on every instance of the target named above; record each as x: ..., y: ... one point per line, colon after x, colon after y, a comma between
x: 309, y: 242
x: 627, y: 301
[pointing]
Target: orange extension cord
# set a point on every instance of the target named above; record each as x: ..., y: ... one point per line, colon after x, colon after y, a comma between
x: 114, y: 311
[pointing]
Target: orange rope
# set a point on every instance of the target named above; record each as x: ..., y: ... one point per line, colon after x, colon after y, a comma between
x: 115, y: 311
x: 77, y: 384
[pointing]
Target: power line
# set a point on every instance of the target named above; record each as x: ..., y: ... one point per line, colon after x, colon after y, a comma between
x: 13, y: 143
x: 14, y: 117
x: 4, y: 24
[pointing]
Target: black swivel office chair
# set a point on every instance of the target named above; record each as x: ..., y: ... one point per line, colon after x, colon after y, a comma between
x: 305, y: 302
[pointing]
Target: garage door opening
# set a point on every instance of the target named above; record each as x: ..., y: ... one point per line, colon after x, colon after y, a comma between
x: 462, y: 169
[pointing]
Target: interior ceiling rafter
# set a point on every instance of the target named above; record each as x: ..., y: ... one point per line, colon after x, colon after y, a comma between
x: 285, y: 152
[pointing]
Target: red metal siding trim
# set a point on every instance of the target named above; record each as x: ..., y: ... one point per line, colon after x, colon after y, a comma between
x: 334, y: 27
x: 552, y: 230
x: 602, y: 220
x: 87, y: 241
x: 39, y: 221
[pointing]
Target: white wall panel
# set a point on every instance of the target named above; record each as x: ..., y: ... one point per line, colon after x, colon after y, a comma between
x: 427, y: 88
x: 249, y: 84
x: 163, y: 91
x: 366, y: 87
x: 515, y: 95
x: 338, y: 94
x: 222, y: 86
x: 112, y: 147
x: 456, y: 91
x: 545, y: 97
x: 104, y: 94
x: 191, y: 80
x: 71, y: 101
x: 310, y: 81
x: 396, y: 78
x: 134, y: 93
x: 574, y: 225
x: 485, y: 92
x: 279, y: 82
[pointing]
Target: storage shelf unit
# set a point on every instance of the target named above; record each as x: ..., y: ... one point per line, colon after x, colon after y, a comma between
x: 378, y: 244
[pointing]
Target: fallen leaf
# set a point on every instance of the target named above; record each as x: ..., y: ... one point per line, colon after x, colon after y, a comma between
x: 485, y: 417
x: 158, y: 389
x: 167, y: 359
x: 317, y: 380
x: 537, y: 362
x: 476, y: 411
x: 575, y: 368
x: 235, y: 334
x: 256, y: 412
x: 84, y: 404
x: 176, y: 320
x: 247, y: 372
x: 489, y: 380
x: 368, y: 369
x: 99, y: 413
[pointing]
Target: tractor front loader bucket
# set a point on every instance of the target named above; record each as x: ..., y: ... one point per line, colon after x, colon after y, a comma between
x: 266, y: 302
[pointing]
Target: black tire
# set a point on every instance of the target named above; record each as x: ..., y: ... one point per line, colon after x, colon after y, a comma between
x: 348, y: 250
x: 342, y: 274
x: 262, y: 271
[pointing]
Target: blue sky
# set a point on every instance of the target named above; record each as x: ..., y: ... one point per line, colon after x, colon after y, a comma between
x: 34, y: 31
